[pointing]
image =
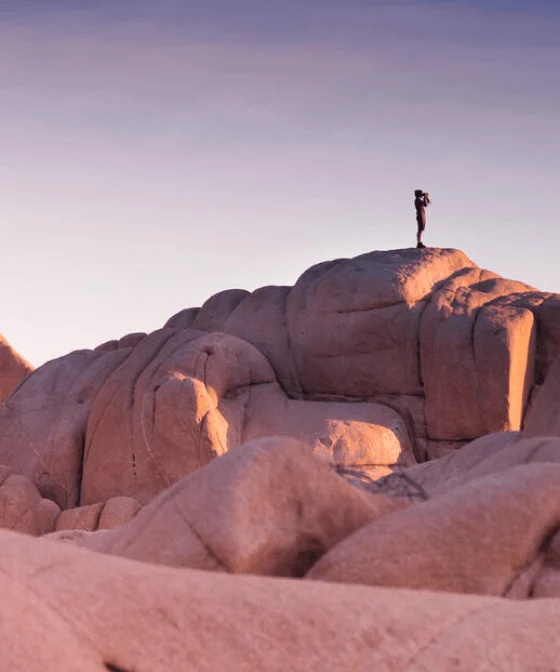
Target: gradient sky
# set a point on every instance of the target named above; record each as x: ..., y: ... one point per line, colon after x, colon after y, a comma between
x: 156, y: 152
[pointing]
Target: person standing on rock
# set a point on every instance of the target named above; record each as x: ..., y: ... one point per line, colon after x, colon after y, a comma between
x: 421, y: 200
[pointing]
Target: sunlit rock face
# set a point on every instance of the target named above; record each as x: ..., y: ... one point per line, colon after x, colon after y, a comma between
x: 458, y: 351
x: 375, y: 362
x: 130, y: 421
x: 384, y: 435
x: 13, y: 369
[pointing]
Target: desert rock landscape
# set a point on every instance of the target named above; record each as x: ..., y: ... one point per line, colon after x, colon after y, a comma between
x: 359, y: 472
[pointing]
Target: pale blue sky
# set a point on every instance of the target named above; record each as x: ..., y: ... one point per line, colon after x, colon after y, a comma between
x: 155, y: 152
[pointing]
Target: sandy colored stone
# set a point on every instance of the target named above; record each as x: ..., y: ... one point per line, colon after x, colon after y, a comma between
x: 476, y: 539
x: 260, y: 319
x: 357, y: 434
x: 491, y: 454
x: 477, y: 363
x: 13, y: 369
x: 215, y: 311
x: 175, y: 404
x: 342, y: 315
x: 66, y: 609
x: 99, y: 516
x: 4, y: 473
x: 44, y: 421
x: 22, y: 508
x: 184, y: 397
x: 547, y: 584
x: 268, y: 507
x: 80, y: 518
x: 131, y: 340
x: 118, y: 511
x: 151, y: 413
x: 544, y: 417
x: 183, y: 319
x: 404, y: 324
x: 547, y: 317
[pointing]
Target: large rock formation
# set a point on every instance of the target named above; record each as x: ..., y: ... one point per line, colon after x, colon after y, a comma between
x: 69, y: 609
x: 293, y: 432
x: 431, y: 350
x: 132, y: 421
x: 457, y: 350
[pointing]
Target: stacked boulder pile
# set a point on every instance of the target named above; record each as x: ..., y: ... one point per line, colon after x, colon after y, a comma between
x: 358, y: 472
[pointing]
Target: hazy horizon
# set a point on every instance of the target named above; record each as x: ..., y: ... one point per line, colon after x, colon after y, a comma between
x: 156, y: 153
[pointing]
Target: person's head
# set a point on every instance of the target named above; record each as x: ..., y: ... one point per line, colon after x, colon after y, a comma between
x: 418, y: 193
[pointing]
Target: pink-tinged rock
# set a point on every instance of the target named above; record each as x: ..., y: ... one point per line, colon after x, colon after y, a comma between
x: 268, y: 507
x: 260, y: 319
x: 183, y: 319
x: 215, y: 311
x: 427, y: 450
x: 117, y: 511
x: 100, y: 516
x: 68, y: 609
x: 131, y: 340
x: 544, y: 416
x: 184, y: 397
x: 43, y: 423
x: 176, y: 403
x: 148, y: 415
x: 547, y: 583
x: 22, y: 508
x: 353, y: 324
x: 367, y: 436
x: 547, y: 317
x: 476, y: 539
x: 491, y: 454
x: 477, y: 364
x: 13, y: 369
x: 504, y: 346
x: 80, y: 518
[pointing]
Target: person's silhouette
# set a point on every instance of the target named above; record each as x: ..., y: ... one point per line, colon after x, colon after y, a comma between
x: 421, y: 200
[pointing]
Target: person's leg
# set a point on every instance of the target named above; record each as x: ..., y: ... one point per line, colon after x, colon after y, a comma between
x: 419, y: 233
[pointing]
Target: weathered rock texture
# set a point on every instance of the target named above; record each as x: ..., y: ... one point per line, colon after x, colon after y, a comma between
x: 391, y: 421
x: 430, y: 350
x: 268, y: 507
x: 70, y: 609
x: 130, y: 421
x: 455, y: 348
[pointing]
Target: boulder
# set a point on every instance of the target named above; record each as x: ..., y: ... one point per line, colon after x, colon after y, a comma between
x: 13, y: 369
x: 215, y: 311
x: 491, y: 454
x: 268, y: 507
x: 100, y: 516
x: 43, y: 423
x: 476, y: 539
x: 80, y: 518
x: 134, y: 419
x: 478, y: 362
x: 260, y: 319
x: 353, y: 324
x: 66, y: 608
x: 22, y: 508
x: 544, y: 416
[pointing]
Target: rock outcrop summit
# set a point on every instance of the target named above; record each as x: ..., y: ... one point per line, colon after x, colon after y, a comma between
x: 387, y: 430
